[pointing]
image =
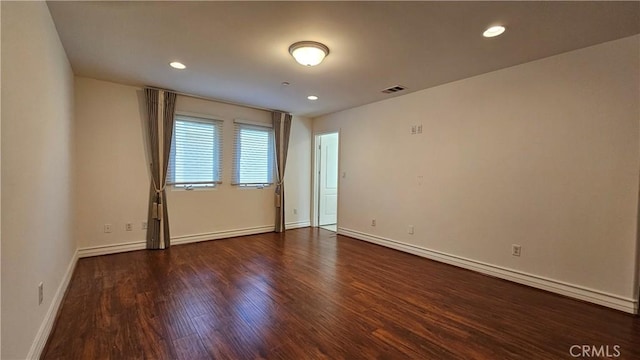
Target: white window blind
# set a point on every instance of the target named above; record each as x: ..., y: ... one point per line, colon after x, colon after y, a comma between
x: 254, y: 155
x: 196, y: 152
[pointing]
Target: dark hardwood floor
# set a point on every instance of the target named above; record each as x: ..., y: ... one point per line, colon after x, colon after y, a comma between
x: 308, y: 294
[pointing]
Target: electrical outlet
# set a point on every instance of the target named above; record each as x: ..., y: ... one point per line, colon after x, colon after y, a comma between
x: 144, y: 225
x: 516, y: 250
x: 40, y: 293
x: 128, y: 227
x: 107, y: 228
x: 410, y: 230
x: 295, y: 211
x: 373, y: 222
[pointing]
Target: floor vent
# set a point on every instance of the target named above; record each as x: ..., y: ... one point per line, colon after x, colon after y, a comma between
x: 393, y: 89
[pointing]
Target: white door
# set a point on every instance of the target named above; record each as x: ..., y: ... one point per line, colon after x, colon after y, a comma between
x: 328, y: 184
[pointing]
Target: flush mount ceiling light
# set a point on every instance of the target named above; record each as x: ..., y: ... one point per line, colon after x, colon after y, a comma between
x: 312, y: 97
x: 494, y: 31
x: 308, y: 53
x: 177, y: 65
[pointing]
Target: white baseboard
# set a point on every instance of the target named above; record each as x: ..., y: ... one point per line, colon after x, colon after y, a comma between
x: 186, y: 239
x: 296, y: 225
x: 571, y: 290
x: 111, y: 249
x: 47, y: 324
x: 176, y: 240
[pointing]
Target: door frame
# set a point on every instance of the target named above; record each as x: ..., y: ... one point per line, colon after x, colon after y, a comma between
x: 315, y: 201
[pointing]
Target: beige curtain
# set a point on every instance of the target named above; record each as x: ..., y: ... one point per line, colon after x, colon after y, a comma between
x: 160, y: 112
x: 281, y: 131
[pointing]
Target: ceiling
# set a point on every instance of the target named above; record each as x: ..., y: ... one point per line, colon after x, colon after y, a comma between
x: 238, y: 51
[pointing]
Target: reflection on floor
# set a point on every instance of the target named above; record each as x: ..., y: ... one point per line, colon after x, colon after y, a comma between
x: 331, y: 227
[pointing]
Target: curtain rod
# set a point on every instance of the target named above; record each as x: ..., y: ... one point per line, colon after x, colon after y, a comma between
x: 216, y: 100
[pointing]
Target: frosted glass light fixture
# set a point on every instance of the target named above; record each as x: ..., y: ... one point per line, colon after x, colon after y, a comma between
x: 308, y: 53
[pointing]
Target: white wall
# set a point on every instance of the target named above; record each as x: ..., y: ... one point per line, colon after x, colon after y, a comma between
x: 37, y: 172
x: 543, y: 154
x: 297, y: 176
x: 112, y: 178
x: 226, y: 207
x: 113, y: 181
x: 0, y: 201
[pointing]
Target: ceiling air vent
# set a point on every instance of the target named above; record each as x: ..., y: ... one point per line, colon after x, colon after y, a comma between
x: 393, y: 89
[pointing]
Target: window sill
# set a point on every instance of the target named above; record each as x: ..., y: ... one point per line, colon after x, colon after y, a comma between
x: 193, y: 189
x: 252, y: 186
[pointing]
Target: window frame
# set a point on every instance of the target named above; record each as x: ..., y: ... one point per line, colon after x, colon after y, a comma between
x: 218, y: 124
x: 267, y: 127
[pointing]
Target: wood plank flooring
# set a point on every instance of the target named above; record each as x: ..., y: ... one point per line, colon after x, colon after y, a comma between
x: 309, y: 294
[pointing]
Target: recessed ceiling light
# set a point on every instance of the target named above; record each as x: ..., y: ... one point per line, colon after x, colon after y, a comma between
x: 308, y: 53
x: 177, y: 65
x: 494, y: 31
x: 285, y: 83
x: 312, y: 97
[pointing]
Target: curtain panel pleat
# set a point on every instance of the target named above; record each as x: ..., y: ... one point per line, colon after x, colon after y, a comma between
x: 160, y: 118
x: 281, y: 132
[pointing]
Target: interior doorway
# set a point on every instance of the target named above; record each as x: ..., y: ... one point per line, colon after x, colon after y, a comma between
x: 327, y: 181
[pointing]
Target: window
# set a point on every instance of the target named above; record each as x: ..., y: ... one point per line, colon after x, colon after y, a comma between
x: 254, y: 163
x: 196, y: 149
